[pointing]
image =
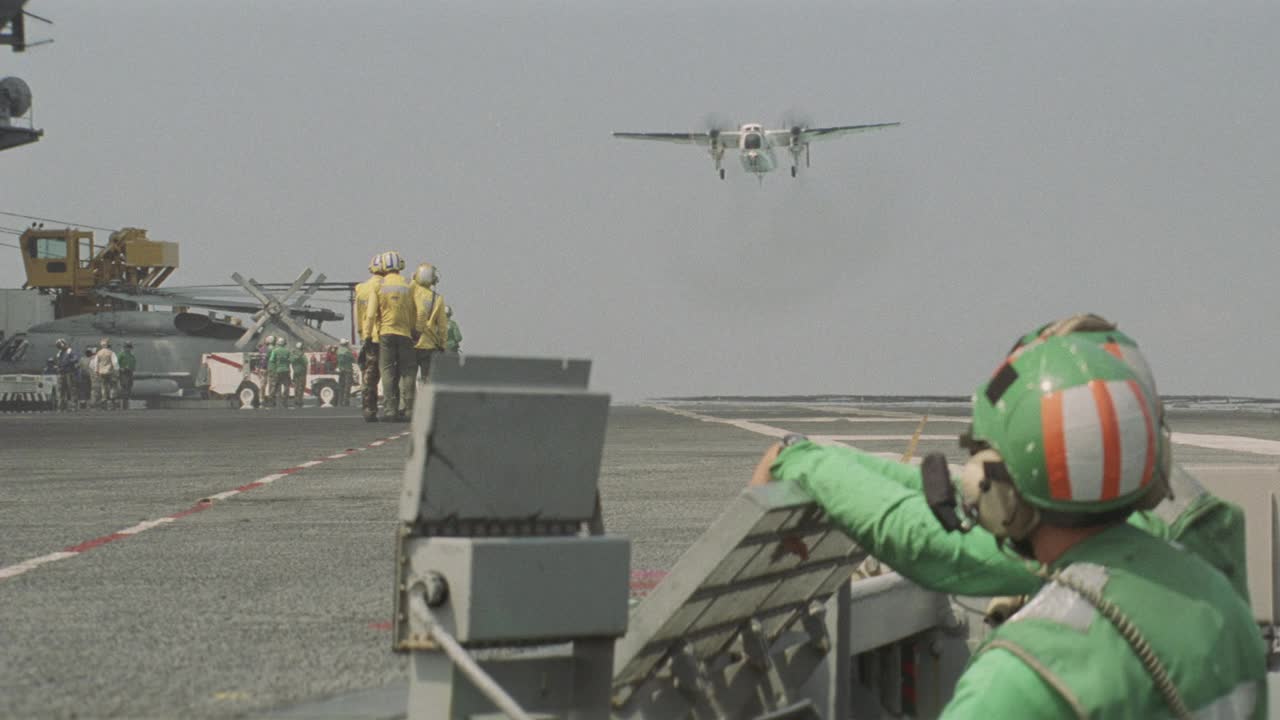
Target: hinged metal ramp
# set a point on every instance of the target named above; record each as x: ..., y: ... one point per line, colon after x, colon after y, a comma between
x: 739, y: 626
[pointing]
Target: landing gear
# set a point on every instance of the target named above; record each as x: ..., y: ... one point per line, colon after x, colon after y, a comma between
x: 717, y: 154
x: 793, y: 171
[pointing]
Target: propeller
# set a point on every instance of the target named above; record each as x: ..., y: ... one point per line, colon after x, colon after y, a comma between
x: 716, y: 123
x: 797, y: 121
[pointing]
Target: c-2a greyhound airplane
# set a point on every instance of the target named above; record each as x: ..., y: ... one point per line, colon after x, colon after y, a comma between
x: 756, y: 145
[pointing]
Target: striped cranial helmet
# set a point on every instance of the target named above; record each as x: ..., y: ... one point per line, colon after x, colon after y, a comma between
x: 375, y: 265
x: 426, y: 275
x: 392, y: 262
x: 1095, y: 328
x: 1075, y: 426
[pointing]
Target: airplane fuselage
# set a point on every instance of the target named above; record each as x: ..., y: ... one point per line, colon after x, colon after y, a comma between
x: 755, y: 150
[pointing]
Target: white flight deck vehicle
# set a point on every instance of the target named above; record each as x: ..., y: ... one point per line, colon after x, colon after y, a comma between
x: 756, y: 145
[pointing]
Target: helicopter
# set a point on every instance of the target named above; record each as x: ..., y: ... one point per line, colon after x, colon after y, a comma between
x: 108, y: 291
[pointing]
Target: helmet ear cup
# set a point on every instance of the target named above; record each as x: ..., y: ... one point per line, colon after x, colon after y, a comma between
x: 992, y: 501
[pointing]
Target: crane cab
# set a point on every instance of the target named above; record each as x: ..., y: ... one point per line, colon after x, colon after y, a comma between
x: 71, y: 263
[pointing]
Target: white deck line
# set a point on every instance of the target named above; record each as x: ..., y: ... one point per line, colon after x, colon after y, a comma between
x: 1237, y: 443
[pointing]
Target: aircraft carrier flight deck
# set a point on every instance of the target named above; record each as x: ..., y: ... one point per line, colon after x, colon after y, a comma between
x: 220, y: 563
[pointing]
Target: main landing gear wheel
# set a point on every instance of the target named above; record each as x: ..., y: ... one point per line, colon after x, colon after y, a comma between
x: 721, y: 173
x: 793, y: 171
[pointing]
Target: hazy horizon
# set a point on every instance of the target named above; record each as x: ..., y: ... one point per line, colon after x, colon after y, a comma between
x: 1052, y: 159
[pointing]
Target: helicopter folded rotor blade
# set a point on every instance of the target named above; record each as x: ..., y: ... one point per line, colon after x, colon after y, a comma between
x: 297, y: 284
x: 258, y: 321
x: 306, y: 334
x: 315, y: 286
x: 252, y: 288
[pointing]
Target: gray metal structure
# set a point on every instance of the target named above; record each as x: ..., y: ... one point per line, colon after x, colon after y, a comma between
x: 508, y: 594
x: 15, y: 104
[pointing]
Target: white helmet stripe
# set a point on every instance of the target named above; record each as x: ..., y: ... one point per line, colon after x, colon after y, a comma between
x: 1109, y: 439
x: 1137, y: 436
x: 1082, y: 433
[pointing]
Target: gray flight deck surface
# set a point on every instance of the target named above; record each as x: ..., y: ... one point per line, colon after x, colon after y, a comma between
x: 276, y: 600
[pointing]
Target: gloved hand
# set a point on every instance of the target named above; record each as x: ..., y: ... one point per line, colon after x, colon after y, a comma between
x: 1003, y: 608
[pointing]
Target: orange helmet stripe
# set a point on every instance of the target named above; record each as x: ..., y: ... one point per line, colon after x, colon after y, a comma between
x: 1055, y: 446
x: 1110, y: 439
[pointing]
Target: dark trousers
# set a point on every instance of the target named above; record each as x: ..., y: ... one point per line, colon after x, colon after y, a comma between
x: 369, y: 379
x: 344, y: 388
x: 399, y: 369
x: 126, y: 387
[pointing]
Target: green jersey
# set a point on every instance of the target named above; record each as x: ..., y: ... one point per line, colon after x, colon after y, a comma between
x: 455, y: 337
x: 298, y: 360
x: 127, y: 361
x: 346, y: 359
x: 278, y: 360
x: 1059, y: 657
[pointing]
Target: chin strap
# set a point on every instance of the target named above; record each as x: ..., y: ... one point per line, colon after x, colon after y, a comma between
x: 1131, y: 635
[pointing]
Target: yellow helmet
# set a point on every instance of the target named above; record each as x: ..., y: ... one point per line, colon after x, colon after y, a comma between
x: 426, y: 275
x: 375, y: 265
x: 392, y: 262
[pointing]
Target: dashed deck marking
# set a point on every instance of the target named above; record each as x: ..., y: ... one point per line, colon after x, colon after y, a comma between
x: 12, y: 571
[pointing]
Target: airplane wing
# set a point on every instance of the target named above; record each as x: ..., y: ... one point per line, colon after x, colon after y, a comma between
x: 823, y: 133
x: 728, y: 138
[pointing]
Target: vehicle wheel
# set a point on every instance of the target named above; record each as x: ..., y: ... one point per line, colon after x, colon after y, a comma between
x: 327, y: 392
x: 247, y: 394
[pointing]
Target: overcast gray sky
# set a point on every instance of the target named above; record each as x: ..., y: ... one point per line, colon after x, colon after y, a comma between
x: 1054, y: 157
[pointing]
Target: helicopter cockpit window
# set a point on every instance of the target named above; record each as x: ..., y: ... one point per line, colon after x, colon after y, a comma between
x: 45, y: 248
x: 13, y: 349
x: 751, y: 142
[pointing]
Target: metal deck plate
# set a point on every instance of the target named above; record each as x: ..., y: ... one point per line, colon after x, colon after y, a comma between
x: 769, y: 556
x: 501, y: 439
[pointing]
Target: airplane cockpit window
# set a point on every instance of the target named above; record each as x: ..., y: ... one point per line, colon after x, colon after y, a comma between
x: 43, y: 248
x: 751, y: 142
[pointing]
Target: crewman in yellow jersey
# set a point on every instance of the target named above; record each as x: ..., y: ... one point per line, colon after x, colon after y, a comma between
x: 391, y: 316
x: 432, y: 326
x: 368, y: 346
